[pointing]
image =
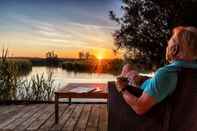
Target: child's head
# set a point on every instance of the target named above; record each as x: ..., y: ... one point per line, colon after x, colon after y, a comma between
x: 127, y: 67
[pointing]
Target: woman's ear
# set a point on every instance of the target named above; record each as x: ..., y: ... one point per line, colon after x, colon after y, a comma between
x: 174, y: 50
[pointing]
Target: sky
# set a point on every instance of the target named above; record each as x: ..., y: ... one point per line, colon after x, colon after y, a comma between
x: 30, y: 28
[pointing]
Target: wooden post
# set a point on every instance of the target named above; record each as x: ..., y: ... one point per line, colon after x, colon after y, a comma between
x: 69, y: 100
x: 56, y: 108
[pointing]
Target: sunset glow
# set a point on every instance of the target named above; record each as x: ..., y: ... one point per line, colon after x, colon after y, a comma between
x: 102, y: 54
x: 100, y: 57
x: 30, y: 29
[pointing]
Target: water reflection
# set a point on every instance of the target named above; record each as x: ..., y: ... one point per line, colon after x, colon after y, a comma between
x: 63, y: 77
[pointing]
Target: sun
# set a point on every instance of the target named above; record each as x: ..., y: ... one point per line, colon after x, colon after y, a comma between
x: 99, y: 57
x: 100, y: 54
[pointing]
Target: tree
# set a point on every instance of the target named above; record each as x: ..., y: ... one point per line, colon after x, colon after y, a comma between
x: 146, y: 24
x: 81, y: 55
x: 86, y: 55
x: 52, y: 58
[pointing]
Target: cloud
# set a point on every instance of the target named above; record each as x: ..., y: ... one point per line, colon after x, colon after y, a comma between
x: 68, y: 35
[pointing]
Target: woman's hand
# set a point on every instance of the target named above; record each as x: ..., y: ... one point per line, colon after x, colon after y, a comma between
x: 138, y: 80
x: 121, y: 83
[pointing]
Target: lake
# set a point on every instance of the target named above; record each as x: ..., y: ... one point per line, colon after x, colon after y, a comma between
x: 63, y: 77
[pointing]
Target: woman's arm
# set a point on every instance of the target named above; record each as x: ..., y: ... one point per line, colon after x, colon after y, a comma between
x: 140, y: 104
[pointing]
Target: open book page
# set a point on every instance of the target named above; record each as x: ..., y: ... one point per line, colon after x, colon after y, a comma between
x: 82, y: 89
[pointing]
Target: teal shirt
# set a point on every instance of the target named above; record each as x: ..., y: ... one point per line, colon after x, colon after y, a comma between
x: 165, y: 79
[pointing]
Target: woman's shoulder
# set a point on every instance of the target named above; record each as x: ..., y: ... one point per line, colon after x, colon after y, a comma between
x: 167, y: 69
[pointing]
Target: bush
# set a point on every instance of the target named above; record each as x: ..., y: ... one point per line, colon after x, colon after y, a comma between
x: 96, y: 66
x: 77, y: 66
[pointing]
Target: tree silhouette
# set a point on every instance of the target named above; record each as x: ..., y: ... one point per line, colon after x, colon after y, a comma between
x: 52, y: 58
x: 146, y: 24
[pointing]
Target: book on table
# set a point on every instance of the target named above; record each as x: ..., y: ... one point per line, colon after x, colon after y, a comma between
x: 81, y: 90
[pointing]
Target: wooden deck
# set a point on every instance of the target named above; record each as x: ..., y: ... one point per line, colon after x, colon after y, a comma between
x: 41, y: 117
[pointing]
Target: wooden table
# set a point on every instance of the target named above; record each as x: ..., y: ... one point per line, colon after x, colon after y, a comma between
x: 100, y: 92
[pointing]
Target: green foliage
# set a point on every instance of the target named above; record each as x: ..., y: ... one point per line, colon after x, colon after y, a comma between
x: 81, y: 66
x: 24, y: 66
x: 38, y: 88
x: 146, y: 25
x: 8, y: 78
x: 94, y: 66
x: 115, y: 66
x: 12, y: 87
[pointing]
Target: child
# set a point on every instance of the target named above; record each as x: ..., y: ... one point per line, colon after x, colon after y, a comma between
x: 129, y: 80
x: 131, y: 77
x: 129, y: 73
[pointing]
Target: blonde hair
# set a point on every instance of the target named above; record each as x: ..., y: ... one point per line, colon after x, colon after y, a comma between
x: 186, y: 43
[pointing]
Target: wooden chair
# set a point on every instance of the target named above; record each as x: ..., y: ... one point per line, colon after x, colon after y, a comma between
x: 178, y: 112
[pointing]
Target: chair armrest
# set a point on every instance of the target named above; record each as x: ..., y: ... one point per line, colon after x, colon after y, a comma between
x: 121, y: 117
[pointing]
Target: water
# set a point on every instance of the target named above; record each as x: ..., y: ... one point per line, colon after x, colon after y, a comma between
x: 63, y: 77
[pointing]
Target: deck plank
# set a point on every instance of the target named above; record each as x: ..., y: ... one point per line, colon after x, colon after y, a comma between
x: 103, y: 118
x: 92, y: 124
x: 51, y: 121
x: 17, y: 115
x: 27, y: 123
x: 9, y: 111
x: 8, y: 108
x: 70, y: 124
x: 24, y: 116
x: 63, y: 118
x: 82, y: 122
x: 41, y: 117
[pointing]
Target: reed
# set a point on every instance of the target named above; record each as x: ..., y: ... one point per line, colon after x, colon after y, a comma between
x: 24, y: 66
x: 38, y: 88
x: 8, y: 78
x: 12, y: 87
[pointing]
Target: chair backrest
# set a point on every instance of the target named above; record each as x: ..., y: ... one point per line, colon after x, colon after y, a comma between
x: 183, y: 102
x: 177, y: 112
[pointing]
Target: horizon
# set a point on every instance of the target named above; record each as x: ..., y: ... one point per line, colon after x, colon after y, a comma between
x: 29, y: 57
x: 30, y: 29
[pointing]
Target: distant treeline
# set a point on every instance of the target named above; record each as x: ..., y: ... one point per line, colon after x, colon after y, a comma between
x: 77, y: 65
x: 112, y: 66
x: 96, y: 66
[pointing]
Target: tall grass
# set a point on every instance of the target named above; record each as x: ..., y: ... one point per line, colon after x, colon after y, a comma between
x: 12, y: 87
x: 38, y: 88
x: 8, y: 78
x: 24, y: 66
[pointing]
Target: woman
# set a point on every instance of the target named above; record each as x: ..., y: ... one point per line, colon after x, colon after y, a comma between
x: 181, y: 52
